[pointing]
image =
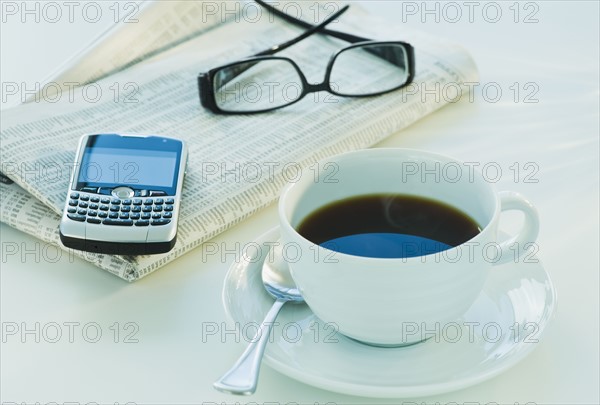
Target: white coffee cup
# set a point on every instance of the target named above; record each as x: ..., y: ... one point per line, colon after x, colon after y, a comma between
x: 379, y: 300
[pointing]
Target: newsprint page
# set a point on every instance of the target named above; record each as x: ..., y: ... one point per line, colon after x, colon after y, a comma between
x: 238, y: 164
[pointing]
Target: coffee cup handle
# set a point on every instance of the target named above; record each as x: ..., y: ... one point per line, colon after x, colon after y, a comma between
x: 519, y: 243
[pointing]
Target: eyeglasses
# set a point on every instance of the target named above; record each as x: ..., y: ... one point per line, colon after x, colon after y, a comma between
x: 263, y: 82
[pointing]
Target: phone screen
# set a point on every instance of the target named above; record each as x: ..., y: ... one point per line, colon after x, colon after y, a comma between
x: 143, y: 163
x: 121, y: 166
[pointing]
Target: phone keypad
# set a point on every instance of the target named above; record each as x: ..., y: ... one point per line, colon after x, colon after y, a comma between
x: 115, y: 212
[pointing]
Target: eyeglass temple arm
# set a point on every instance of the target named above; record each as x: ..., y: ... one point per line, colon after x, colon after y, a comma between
x: 379, y: 52
x: 235, y: 71
x: 313, y: 29
x: 336, y: 34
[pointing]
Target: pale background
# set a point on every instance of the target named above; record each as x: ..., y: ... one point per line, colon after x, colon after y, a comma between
x: 559, y: 54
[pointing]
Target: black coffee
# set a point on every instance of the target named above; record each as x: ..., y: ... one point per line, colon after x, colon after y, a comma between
x: 388, y: 226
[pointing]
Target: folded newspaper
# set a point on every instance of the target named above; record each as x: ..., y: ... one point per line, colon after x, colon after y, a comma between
x: 141, y: 78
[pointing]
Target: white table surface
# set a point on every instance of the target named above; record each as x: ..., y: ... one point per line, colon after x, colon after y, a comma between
x: 171, y: 364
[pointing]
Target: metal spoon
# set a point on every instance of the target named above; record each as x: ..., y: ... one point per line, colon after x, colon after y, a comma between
x: 242, y: 378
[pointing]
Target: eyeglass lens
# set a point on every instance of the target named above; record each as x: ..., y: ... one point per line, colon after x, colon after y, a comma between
x: 272, y: 83
x: 369, y: 69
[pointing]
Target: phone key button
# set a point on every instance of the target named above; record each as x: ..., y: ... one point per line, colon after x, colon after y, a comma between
x: 102, y: 214
x: 72, y: 210
x: 93, y: 206
x: 123, y: 192
x: 126, y: 202
x: 137, y: 201
x: 125, y: 209
x: 81, y: 211
x: 134, y: 216
x: 104, y: 207
x: 95, y: 199
x: 113, y: 215
x: 158, y: 208
x: 94, y: 220
x: 148, y: 201
x: 167, y: 215
x: 124, y: 216
x: 73, y: 203
x: 136, y: 209
x: 159, y: 201
x: 105, y: 200
x: 92, y: 213
x: 161, y: 222
x: 145, y: 216
x: 116, y: 201
x: 75, y: 217
x: 74, y: 196
x: 114, y: 208
x: 168, y: 208
x: 157, y: 193
x: 156, y: 216
x: 84, y: 197
x: 170, y: 201
x: 142, y: 222
x: 119, y: 222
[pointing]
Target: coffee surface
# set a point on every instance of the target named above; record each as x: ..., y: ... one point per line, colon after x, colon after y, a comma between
x: 388, y: 226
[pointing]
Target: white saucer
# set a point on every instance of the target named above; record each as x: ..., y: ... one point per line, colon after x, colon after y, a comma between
x: 304, y: 348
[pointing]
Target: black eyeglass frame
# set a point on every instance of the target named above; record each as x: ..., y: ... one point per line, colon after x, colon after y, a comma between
x: 206, y: 80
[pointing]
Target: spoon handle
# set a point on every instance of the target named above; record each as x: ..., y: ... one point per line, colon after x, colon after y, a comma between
x: 242, y: 378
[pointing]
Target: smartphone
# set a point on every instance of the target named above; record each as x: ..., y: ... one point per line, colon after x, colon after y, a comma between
x: 124, y: 195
